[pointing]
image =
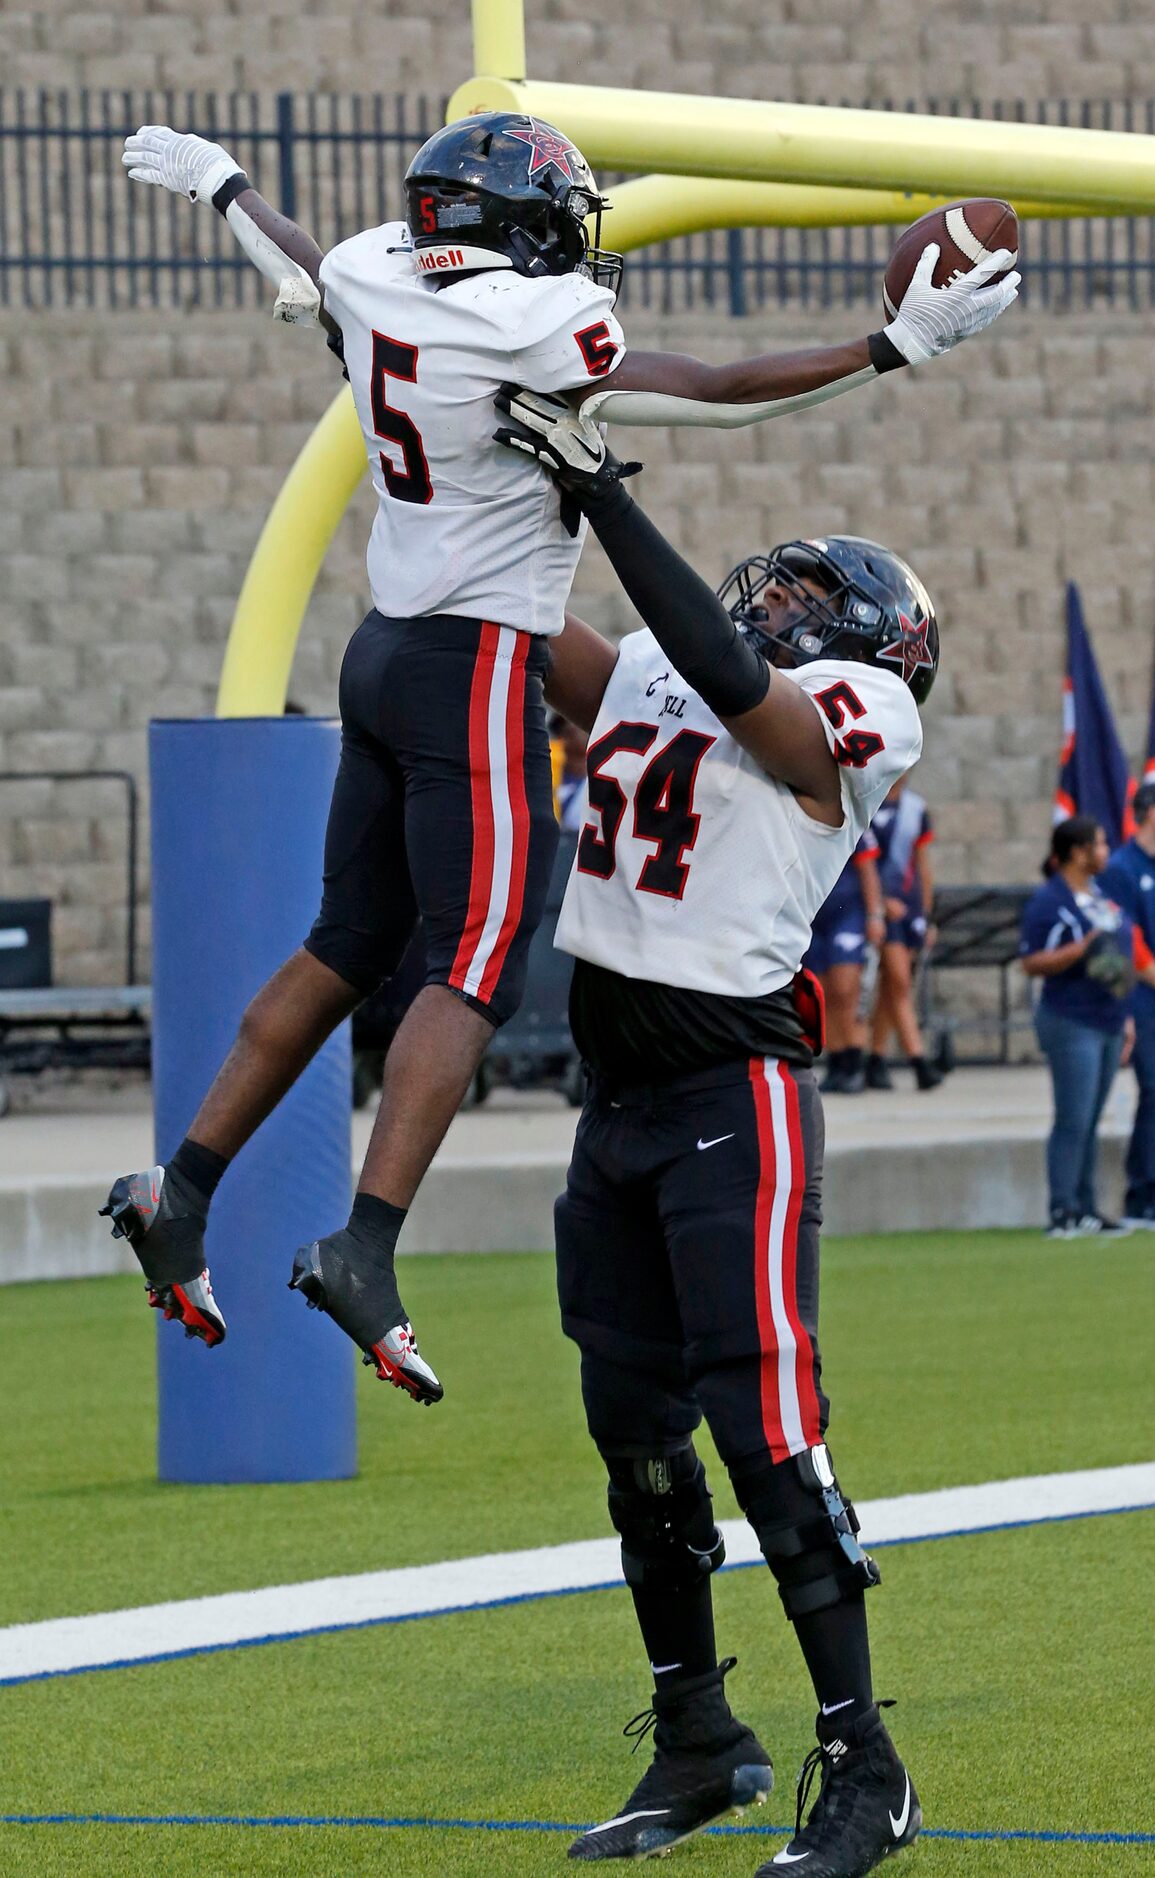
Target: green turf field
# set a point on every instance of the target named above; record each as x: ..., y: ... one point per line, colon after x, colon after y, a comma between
x: 1022, y: 1660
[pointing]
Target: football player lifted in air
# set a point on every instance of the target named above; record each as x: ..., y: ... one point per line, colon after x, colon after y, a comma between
x: 442, y: 806
x: 736, y: 757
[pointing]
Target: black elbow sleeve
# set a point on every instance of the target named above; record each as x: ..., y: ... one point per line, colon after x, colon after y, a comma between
x: 732, y: 681
x: 685, y: 616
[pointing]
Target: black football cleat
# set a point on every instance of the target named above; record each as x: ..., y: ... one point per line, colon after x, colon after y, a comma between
x: 707, y: 1766
x: 163, y: 1218
x: 350, y: 1281
x: 866, y: 1810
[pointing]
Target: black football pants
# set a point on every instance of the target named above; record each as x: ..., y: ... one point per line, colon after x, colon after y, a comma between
x: 442, y: 807
x: 687, y: 1256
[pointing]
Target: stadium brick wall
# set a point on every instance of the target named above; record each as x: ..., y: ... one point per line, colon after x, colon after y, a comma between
x: 139, y: 453
x: 805, y: 49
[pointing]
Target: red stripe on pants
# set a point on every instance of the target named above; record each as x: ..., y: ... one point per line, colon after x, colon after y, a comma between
x: 803, y: 1351
x: 481, y: 864
x: 763, y: 1208
x: 519, y: 812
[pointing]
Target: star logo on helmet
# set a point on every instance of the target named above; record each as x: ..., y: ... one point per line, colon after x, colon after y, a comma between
x: 546, y: 146
x: 910, y: 650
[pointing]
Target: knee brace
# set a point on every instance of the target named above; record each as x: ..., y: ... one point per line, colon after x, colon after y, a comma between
x: 663, y: 1511
x: 807, y: 1532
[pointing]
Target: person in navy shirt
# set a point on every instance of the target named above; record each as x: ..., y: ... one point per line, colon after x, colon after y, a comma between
x: 850, y: 920
x: 903, y: 833
x: 1080, y: 944
x: 1129, y: 879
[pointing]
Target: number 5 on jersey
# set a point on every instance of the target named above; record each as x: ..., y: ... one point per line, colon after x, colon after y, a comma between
x: 392, y: 358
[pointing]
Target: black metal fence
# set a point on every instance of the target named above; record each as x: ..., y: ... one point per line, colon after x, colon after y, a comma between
x: 74, y: 231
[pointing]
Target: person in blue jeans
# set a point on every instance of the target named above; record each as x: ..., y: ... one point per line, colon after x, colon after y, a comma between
x: 1129, y: 880
x: 1080, y: 944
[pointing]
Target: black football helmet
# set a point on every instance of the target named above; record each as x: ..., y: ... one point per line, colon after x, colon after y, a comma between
x: 872, y: 608
x: 504, y: 190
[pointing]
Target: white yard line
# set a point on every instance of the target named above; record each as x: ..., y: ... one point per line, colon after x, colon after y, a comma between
x: 111, y: 1639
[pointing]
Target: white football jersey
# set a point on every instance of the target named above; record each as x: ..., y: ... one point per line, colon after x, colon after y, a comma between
x: 462, y: 525
x: 696, y: 868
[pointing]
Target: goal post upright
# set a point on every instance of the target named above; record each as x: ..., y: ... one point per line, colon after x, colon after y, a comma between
x: 498, y: 39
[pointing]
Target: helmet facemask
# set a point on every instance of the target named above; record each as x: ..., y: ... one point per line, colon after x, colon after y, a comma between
x: 805, y: 634
x: 872, y: 608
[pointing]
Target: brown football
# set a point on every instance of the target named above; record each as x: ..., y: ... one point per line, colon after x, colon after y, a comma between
x: 966, y: 233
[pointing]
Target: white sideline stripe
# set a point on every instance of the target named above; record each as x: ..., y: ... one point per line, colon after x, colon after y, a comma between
x: 65, y: 1644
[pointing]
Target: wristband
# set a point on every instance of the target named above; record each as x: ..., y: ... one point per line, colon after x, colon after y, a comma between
x: 884, y: 354
x: 230, y: 189
x: 602, y: 501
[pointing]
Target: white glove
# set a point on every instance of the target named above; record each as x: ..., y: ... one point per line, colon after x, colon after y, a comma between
x: 548, y: 428
x: 188, y: 165
x: 930, y: 320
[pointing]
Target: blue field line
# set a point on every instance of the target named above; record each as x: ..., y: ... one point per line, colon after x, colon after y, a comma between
x: 520, y: 1597
x: 374, y: 1823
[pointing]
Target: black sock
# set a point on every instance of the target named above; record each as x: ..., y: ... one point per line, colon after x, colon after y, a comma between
x: 201, y: 1167
x: 836, y: 1645
x: 377, y: 1221
x: 678, y: 1631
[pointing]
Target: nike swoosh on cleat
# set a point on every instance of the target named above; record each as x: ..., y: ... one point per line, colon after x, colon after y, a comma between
x: 835, y: 1706
x: 623, y: 1819
x: 713, y: 1144
x: 790, y: 1858
x: 898, y: 1826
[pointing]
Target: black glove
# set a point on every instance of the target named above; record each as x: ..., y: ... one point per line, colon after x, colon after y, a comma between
x: 564, y: 442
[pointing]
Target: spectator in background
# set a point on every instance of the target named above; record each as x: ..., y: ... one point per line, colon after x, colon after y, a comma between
x: 849, y: 920
x: 568, y: 750
x: 1080, y: 944
x: 902, y: 832
x: 1129, y: 880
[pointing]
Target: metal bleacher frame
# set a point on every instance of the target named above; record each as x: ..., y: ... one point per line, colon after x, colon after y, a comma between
x: 87, y: 1026
x: 977, y: 926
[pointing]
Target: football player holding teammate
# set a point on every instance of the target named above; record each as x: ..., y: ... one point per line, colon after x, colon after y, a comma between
x: 442, y: 807
x: 735, y: 760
